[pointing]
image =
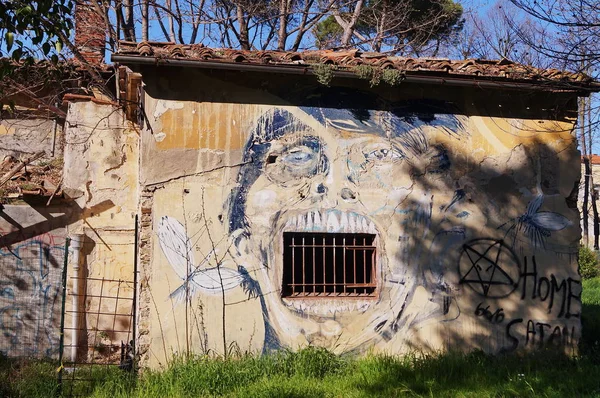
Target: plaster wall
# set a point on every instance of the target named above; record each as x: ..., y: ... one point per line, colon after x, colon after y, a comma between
x: 101, y: 177
x: 475, y: 223
x: 29, y: 136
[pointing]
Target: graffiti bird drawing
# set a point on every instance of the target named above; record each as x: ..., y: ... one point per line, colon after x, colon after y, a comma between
x: 177, y: 248
x: 536, y: 225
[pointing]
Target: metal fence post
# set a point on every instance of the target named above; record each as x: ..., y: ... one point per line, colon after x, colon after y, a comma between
x: 62, y: 317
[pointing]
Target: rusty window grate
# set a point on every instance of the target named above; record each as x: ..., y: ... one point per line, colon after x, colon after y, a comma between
x: 329, y: 265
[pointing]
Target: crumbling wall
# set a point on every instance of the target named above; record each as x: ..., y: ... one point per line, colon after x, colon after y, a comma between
x: 101, y: 163
x: 29, y: 136
x: 475, y: 240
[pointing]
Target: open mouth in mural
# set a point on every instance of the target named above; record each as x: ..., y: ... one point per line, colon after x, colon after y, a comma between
x: 330, y: 262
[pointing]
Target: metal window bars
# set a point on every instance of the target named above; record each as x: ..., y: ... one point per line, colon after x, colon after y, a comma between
x: 329, y: 265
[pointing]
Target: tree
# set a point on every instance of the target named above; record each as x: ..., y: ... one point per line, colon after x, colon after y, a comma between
x: 395, y: 26
x: 34, y: 28
x: 572, y: 28
x: 493, y: 36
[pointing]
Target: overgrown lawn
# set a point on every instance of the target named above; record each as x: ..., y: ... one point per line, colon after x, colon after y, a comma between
x: 317, y: 373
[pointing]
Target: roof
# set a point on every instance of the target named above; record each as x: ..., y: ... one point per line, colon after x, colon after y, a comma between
x: 348, y: 63
x: 41, y: 179
x: 595, y: 159
x: 35, y: 88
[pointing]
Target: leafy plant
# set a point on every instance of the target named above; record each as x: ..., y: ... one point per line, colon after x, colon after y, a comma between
x: 589, y: 266
x: 36, y: 27
x: 324, y: 73
x: 374, y: 75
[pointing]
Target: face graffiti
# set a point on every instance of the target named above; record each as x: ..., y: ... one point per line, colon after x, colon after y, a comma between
x: 321, y: 170
x: 402, y: 192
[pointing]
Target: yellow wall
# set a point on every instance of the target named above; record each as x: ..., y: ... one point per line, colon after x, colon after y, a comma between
x: 476, y: 243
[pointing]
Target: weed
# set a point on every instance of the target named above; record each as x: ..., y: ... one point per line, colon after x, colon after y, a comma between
x: 588, y: 263
x: 324, y: 73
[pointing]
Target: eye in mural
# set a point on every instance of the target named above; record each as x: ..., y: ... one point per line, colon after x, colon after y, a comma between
x: 292, y: 161
x: 325, y: 186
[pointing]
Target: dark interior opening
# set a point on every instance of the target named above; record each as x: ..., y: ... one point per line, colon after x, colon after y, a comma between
x: 329, y: 265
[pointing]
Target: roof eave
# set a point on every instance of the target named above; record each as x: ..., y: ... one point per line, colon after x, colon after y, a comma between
x: 490, y: 82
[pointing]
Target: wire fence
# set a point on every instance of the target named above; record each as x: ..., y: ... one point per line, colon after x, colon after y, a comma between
x: 99, y: 339
x: 31, y: 299
x: 51, y: 308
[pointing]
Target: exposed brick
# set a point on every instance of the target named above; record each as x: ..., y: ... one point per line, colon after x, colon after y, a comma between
x: 90, y: 32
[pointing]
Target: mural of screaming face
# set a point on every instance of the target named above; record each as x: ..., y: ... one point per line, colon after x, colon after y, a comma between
x: 327, y: 170
x: 320, y: 169
x: 466, y: 216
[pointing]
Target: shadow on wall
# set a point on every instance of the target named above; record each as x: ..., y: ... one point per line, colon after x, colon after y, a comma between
x: 31, y: 264
x: 475, y: 227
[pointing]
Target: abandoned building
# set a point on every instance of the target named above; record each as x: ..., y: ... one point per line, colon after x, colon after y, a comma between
x: 255, y: 200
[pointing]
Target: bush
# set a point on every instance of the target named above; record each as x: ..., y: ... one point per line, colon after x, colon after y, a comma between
x: 588, y: 263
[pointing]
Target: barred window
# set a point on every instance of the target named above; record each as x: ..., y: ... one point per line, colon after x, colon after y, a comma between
x: 329, y: 265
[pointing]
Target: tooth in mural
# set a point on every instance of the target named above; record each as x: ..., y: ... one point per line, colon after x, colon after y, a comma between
x: 333, y: 225
x: 351, y: 223
x: 309, y: 221
x: 301, y: 222
x: 357, y: 224
x: 365, y: 225
x: 317, y: 220
x: 344, y: 222
x: 289, y: 224
x: 372, y: 229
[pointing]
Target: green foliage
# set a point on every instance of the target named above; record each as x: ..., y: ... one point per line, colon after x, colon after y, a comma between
x: 375, y: 75
x: 397, y: 24
x: 315, y: 372
x: 328, y: 33
x: 34, y: 28
x: 590, y: 318
x: 324, y: 73
x: 27, y: 378
x: 392, y: 77
x: 588, y: 263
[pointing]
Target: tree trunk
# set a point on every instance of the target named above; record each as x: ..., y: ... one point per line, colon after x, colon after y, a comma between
x: 594, y: 198
x: 348, y: 26
x: 243, y: 26
x: 283, y: 18
x: 129, y: 24
x: 586, y: 179
x: 171, y: 21
x: 145, y: 20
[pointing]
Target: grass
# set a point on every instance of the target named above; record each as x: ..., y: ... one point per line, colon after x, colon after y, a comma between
x: 318, y: 373
x: 590, y: 318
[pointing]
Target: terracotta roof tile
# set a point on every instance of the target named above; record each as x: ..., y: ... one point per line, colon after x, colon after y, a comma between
x: 347, y: 59
x: 42, y: 179
x: 595, y: 159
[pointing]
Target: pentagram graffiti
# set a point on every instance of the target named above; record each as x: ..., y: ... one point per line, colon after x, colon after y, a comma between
x: 489, y: 267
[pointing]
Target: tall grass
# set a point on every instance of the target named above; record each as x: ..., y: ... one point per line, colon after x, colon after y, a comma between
x: 315, y: 372
x: 27, y: 378
x: 590, y: 318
